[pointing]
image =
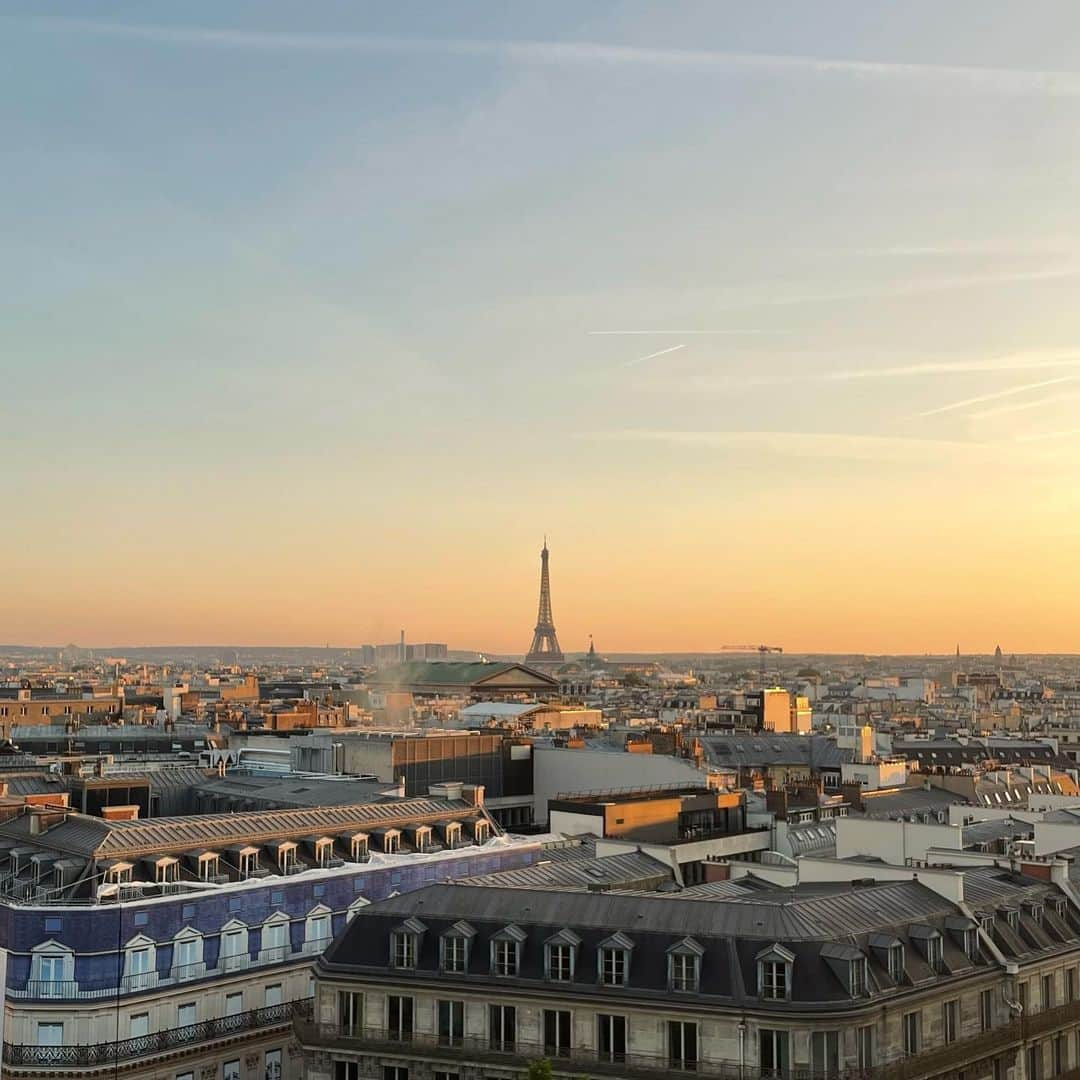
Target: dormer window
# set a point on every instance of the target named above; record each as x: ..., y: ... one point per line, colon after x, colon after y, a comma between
x: 560, y: 956
x: 405, y: 944
x: 895, y: 958
x: 684, y: 965
x: 928, y: 941
x: 775, y: 967
x: 455, y: 945
x: 848, y: 964
x: 1011, y: 917
x: 506, y: 951
x: 1033, y: 910
x: 613, y: 960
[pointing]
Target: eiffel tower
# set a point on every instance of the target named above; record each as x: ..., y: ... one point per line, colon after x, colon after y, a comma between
x: 545, y: 651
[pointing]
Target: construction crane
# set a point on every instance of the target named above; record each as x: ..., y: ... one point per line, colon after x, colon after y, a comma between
x: 761, y: 650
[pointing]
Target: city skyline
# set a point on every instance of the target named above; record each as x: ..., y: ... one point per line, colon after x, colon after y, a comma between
x: 316, y: 324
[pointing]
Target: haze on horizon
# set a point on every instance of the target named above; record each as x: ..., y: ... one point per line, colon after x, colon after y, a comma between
x: 315, y: 321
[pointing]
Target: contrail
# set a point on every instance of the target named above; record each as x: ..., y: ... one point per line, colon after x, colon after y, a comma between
x: 963, y: 404
x: 653, y: 355
x: 1040, y: 436
x: 1020, y: 81
x: 1050, y: 399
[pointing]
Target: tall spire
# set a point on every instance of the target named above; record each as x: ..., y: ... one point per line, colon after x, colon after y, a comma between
x: 545, y: 645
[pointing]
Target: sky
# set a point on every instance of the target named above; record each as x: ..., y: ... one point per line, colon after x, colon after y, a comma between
x: 317, y: 318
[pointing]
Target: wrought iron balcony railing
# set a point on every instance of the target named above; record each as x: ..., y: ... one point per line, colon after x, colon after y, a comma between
x: 194, y: 1036
x: 1002, y: 1041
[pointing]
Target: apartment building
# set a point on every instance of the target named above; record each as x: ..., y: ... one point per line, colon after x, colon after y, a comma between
x: 173, y: 948
x: 874, y: 980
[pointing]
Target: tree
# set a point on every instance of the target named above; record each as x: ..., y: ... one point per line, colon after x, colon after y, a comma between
x: 540, y: 1069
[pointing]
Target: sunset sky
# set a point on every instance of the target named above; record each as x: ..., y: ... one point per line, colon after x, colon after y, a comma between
x: 316, y: 318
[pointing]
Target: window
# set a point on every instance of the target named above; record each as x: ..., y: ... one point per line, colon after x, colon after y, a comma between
x: 231, y: 1070
x: 404, y: 950
x: 502, y: 1026
x: 54, y: 926
x: 857, y: 978
x: 1070, y: 985
x: 451, y: 1022
x: 186, y: 1014
x: 1022, y: 988
x: 140, y: 963
x: 350, y: 1011
x: 682, y: 1044
x: 234, y: 1003
x: 275, y: 940
x: 455, y: 953
x: 317, y: 933
x: 1034, y: 1062
x: 934, y: 952
x: 684, y: 971
x: 1048, y: 991
x: 185, y: 1076
x: 911, y: 1033
x: 347, y: 1070
x: 611, y: 1037
x: 50, y: 1034
x: 864, y: 1047
x: 774, y: 1052
x: 442, y: 1076
x: 272, y: 995
x: 1057, y: 1048
x: 986, y: 1010
x: 561, y: 961
x: 949, y: 1020
x: 399, y: 1017
x: 825, y: 1053
x: 774, y: 980
x: 273, y: 1065
x: 234, y: 946
x: 51, y: 971
x: 395, y: 1072
x: 504, y: 957
x: 613, y: 967
x: 139, y: 1025
x: 557, y: 1033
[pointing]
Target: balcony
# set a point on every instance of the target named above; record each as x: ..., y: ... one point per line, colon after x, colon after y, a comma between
x: 940, y: 1061
x: 193, y: 1038
x: 141, y: 982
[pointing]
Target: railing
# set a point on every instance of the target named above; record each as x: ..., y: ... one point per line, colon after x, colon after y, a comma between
x: 518, y: 1054
x: 194, y: 1036
x: 91, y: 989
x: 998, y: 1041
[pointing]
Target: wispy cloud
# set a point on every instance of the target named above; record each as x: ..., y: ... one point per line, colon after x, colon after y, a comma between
x: 1042, y: 436
x: 964, y: 403
x: 841, y: 446
x: 653, y: 355
x: 826, y: 445
x: 1024, y: 361
x: 991, y: 80
x: 1019, y: 406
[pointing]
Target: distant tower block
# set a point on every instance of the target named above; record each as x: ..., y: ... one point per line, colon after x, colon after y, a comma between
x: 545, y: 651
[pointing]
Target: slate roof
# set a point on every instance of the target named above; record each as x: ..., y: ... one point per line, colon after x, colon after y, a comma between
x: 436, y: 673
x: 768, y: 748
x: 291, y: 791
x: 95, y: 838
x: 633, y: 870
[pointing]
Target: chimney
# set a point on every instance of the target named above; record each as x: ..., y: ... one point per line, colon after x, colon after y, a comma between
x: 473, y: 794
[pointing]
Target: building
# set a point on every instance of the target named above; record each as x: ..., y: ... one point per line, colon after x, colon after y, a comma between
x: 23, y: 707
x: 476, y: 680
x: 501, y: 763
x: 174, y: 947
x: 875, y: 979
